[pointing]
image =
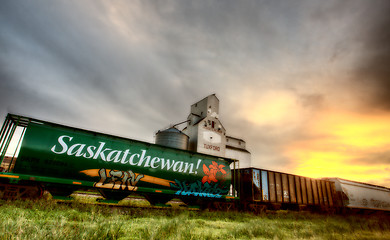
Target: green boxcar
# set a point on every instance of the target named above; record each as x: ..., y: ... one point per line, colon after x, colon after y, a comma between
x: 52, y: 151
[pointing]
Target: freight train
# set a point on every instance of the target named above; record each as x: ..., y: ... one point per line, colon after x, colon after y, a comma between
x: 39, y: 156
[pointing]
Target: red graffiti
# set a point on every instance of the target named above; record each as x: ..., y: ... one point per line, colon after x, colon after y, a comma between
x: 212, y: 171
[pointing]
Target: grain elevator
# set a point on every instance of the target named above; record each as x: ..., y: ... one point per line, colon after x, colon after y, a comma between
x: 206, y: 134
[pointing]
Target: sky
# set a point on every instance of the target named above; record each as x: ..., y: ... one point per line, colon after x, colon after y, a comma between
x: 306, y: 83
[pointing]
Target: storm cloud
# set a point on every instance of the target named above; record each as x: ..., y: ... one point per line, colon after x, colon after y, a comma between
x: 372, y: 69
x: 284, y: 71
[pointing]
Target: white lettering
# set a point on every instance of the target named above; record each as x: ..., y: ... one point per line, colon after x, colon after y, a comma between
x: 79, y: 148
x: 99, y: 150
x: 154, y: 160
x: 143, y: 158
x: 102, y: 156
x: 116, y: 154
x: 188, y: 166
x: 166, y: 164
x: 125, y: 153
x: 132, y: 158
x: 63, y: 145
x: 106, y: 154
x: 90, y: 151
x: 178, y: 167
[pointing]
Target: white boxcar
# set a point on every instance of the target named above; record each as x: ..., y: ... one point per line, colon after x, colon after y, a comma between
x: 362, y: 195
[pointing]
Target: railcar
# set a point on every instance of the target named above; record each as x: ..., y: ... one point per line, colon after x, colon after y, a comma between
x: 37, y: 155
x: 262, y: 189
x: 352, y: 196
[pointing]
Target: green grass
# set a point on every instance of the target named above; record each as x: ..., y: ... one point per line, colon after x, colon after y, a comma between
x: 46, y: 219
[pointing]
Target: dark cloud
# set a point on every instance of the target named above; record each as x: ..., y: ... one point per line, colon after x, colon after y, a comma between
x: 373, y: 71
x: 375, y: 158
x: 64, y: 61
x: 313, y: 101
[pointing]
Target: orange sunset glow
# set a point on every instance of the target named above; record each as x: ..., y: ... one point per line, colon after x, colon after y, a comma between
x: 346, y: 145
x: 316, y: 137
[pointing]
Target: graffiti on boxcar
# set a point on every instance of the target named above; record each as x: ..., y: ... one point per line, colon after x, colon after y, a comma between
x: 213, y: 173
x: 211, y: 185
x: 379, y: 203
x: 198, y: 189
x: 118, y: 180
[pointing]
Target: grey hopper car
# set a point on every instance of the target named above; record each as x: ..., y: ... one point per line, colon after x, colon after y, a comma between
x: 356, y: 195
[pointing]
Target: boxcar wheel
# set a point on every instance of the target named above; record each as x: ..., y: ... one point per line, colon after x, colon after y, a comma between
x: 16, y: 191
x: 113, y: 195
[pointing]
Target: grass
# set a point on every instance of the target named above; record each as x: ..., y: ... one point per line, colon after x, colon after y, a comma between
x: 46, y: 219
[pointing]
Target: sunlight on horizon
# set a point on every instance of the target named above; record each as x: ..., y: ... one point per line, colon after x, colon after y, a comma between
x: 345, y: 145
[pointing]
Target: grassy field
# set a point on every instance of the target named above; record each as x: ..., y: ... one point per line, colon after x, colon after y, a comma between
x: 46, y: 219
